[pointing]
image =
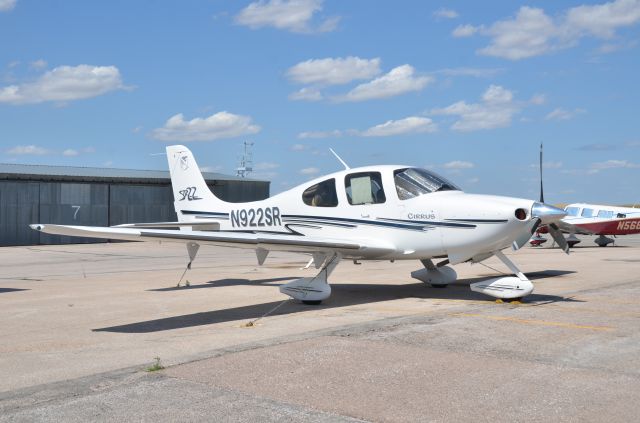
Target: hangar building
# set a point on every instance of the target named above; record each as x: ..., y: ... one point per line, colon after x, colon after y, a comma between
x: 96, y: 197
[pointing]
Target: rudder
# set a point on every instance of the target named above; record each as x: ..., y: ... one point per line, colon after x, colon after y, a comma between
x: 190, y: 191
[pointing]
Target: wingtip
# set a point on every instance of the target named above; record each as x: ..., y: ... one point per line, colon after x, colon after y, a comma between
x: 36, y: 227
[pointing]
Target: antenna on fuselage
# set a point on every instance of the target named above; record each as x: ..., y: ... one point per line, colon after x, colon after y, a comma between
x: 346, y: 166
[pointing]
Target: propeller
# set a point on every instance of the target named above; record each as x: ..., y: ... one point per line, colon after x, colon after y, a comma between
x: 557, y: 236
x: 545, y: 214
x: 554, y: 230
x: 522, y: 240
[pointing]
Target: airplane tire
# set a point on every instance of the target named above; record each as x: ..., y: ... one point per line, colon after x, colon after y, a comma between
x: 312, y: 302
x: 438, y: 285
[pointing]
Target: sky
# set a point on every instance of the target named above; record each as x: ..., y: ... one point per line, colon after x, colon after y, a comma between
x: 465, y: 88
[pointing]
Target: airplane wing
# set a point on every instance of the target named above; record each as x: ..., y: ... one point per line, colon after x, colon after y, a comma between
x: 269, y: 241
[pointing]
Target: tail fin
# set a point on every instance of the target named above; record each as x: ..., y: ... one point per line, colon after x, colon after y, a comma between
x: 190, y: 191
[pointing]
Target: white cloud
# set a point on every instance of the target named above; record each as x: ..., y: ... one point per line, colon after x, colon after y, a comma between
x: 266, y: 166
x: 458, y: 164
x: 562, y: 114
x: 216, y: 126
x: 445, y: 13
x: 602, y: 20
x: 475, y: 72
x: 38, y: 64
x: 612, y: 164
x: 320, y: 134
x: 309, y: 171
x: 532, y: 32
x: 7, y: 5
x: 546, y: 165
x: 299, y: 147
x: 399, y: 80
x: 70, y: 152
x: 538, y: 99
x: 496, y: 110
x: 527, y: 35
x: 214, y: 168
x: 409, y: 125
x: 291, y: 15
x: 334, y: 71
x: 473, y: 180
x: 306, y: 94
x: 64, y: 83
x: 464, y: 31
x: 28, y: 150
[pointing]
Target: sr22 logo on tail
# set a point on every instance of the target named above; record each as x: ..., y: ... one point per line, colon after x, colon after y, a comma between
x: 189, y: 193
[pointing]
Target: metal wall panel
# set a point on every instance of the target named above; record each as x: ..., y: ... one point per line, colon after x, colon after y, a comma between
x: 67, y: 203
x: 18, y: 208
x: 140, y: 203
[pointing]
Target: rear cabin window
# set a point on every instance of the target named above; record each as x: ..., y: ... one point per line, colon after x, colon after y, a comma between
x: 587, y: 213
x: 605, y: 214
x: 322, y: 194
x: 364, y: 188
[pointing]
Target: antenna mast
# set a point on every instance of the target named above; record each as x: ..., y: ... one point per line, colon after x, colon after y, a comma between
x: 245, y: 165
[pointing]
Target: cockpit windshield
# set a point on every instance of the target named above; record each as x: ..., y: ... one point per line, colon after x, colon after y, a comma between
x: 412, y: 182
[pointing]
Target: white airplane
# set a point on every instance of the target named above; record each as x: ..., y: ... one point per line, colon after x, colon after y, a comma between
x: 367, y: 213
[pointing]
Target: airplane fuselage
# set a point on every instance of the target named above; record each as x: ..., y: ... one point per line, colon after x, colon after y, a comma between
x: 444, y: 223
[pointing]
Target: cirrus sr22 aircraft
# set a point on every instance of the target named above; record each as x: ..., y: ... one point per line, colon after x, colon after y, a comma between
x: 368, y: 213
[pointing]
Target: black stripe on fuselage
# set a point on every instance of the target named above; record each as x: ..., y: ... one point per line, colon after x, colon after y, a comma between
x: 478, y: 220
x: 328, y: 220
x: 432, y: 223
x: 206, y: 214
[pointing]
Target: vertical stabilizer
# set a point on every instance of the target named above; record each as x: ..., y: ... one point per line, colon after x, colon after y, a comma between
x: 190, y: 191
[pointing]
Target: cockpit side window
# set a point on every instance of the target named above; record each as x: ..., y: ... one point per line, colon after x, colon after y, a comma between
x: 322, y: 194
x: 572, y: 211
x: 412, y: 182
x: 364, y: 188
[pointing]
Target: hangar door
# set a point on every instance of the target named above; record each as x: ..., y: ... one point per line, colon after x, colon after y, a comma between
x: 66, y: 203
x: 18, y: 209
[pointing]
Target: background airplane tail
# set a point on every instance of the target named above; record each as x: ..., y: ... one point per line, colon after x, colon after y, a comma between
x: 190, y: 191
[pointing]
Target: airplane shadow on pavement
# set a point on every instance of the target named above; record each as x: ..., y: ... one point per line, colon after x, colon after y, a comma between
x: 343, y: 294
x: 226, y: 282
x: 3, y: 290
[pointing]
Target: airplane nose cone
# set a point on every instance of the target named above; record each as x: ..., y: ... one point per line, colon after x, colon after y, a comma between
x: 547, y: 213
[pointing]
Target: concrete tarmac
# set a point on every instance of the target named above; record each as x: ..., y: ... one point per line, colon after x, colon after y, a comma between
x: 80, y: 324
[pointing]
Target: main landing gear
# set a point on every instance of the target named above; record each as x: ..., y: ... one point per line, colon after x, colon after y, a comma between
x: 313, y: 290
x: 505, y: 288
x: 438, y: 276
x: 603, y: 241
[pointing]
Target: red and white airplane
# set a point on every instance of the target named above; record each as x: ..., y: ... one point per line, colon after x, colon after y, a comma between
x: 596, y: 219
x: 592, y: 219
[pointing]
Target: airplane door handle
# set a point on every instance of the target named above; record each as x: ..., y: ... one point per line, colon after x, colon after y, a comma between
x: 364, y: 214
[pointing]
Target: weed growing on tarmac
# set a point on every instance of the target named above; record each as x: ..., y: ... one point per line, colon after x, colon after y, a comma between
x: 156, y: 366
